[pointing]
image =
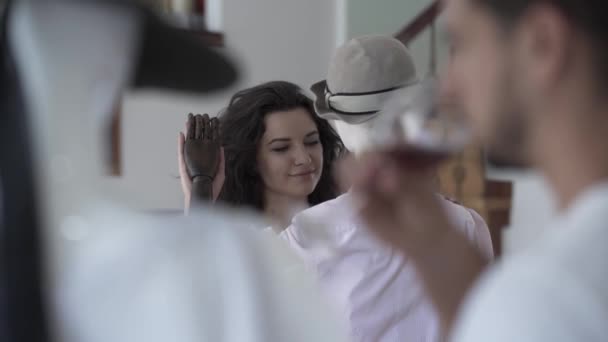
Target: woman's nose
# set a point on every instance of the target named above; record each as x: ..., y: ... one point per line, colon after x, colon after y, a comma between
x: 302, y: 157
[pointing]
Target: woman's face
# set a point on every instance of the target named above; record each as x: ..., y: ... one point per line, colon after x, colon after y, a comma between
x: 290, y: 154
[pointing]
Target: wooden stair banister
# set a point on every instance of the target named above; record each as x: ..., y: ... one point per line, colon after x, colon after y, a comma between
x: 419, y: 24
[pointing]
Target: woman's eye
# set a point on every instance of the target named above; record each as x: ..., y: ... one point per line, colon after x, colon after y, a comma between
x: 280, y: 149
x: 312, y: 143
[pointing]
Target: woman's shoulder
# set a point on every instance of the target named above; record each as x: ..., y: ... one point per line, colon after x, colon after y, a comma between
x: 338, y: 207
x: 331, y: 218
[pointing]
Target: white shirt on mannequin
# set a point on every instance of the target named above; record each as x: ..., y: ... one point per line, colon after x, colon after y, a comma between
x: 372, y: 287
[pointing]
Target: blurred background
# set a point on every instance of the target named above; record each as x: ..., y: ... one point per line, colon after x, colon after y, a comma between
x: 269, y: 37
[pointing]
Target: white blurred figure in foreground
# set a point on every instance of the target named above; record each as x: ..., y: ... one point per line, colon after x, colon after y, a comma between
x: 114, y: 275
x: 197, y: 278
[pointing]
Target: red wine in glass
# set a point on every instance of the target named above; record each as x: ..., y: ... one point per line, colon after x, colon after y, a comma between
x: 419, y: 158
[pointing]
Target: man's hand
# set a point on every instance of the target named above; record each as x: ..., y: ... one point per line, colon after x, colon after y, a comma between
x: 400, y: 205
x: 200, y: 155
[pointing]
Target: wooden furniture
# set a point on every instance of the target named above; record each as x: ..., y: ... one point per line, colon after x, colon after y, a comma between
x: 115, y: 151
x: 187, y: 16
x: 463, y: 177
x: 214, y: 39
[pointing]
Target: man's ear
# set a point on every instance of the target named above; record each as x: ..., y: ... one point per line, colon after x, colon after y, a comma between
x: 546, y: 44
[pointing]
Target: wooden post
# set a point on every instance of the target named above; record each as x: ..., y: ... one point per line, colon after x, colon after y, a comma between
x: 115, y: 157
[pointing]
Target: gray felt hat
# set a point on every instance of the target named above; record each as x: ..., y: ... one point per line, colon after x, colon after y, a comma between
x: 362, y: 75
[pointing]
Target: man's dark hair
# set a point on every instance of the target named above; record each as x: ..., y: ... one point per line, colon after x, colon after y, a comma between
x: 588, y: 16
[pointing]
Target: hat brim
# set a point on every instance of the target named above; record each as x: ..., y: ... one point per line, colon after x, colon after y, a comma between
x: 318, y: 89
x: 172, y: 58
x: 327, y: 113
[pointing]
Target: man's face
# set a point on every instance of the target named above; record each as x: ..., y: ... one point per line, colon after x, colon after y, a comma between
x: 482, y: 80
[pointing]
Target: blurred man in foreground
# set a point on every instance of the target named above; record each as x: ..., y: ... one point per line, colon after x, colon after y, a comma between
x: 531, y: 75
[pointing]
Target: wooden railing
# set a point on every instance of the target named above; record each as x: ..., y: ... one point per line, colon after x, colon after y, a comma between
x: 425, y: 19
x: 463, y: 177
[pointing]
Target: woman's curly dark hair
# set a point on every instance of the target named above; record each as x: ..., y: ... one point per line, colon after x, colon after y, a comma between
x: 242, y: 125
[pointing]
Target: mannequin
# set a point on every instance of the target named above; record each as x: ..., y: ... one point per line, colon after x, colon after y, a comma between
x: 359, y: 274
x: 108, y: 273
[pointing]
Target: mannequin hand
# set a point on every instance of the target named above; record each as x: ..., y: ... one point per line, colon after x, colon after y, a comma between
x: 200, y: 154
x: 202, y: 146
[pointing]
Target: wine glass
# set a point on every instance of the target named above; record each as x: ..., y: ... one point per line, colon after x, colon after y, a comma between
x: 416, y: 124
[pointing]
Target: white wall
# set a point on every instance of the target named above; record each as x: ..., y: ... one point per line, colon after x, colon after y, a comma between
x: 533, y: 208
x: 274, y: 39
